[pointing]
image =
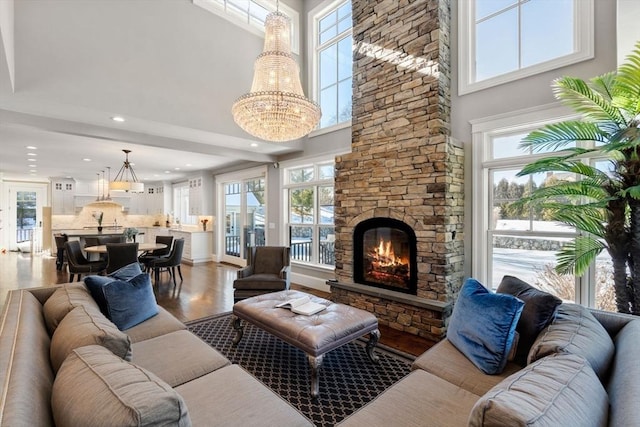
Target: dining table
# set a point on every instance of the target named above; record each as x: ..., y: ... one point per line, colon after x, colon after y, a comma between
x: 142, y: 247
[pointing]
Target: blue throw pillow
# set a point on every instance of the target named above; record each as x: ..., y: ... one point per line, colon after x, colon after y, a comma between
x: 130, y: 302
x: 483, y: 326
x: 95, y: 285
x: 127, y: 272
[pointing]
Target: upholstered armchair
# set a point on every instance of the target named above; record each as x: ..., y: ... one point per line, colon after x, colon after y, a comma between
x: 268, y: 270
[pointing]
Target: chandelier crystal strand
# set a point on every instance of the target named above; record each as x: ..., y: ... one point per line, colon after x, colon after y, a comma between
x: 276, y: 108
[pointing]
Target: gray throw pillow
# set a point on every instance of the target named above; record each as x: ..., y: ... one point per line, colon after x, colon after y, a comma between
x: 539, y: 309
x: 96, y: 388
x: 87, y: 326
x: 558, y: 390
x: 575, y: 330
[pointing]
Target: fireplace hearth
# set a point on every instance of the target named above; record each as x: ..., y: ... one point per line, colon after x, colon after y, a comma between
x: 385, y: 255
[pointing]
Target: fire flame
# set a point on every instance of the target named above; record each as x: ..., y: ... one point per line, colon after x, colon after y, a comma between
x: 384, y: 256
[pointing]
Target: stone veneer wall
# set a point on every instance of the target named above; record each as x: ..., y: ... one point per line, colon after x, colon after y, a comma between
x: 403, y: 163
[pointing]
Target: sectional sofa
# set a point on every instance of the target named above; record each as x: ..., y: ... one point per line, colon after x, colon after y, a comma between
x: 62, y: 362
x: 583, y: 371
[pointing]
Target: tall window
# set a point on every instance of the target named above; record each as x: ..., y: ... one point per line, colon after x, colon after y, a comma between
x: 309, y: 192
x: 333, y: 62
x: 505, y: 40
x: 511, y: 240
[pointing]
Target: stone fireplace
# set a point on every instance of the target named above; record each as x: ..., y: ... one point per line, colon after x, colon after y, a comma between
x: 402, y: 182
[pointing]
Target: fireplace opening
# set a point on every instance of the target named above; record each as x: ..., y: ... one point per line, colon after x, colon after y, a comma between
x: 385, y: 255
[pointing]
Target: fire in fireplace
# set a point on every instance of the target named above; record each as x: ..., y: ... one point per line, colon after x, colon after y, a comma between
x: 385, y: 255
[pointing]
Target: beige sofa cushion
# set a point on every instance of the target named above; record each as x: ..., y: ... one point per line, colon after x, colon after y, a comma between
x: 96, y: 388
x: 447, y: 362
x: 86, y: 326
x: 232, y: 397
x: 420, y: 399
x: 63, y: 300
x: 567, y: 393
x: 160, y: 324
x: 574, y: 330
x: 177, y: 357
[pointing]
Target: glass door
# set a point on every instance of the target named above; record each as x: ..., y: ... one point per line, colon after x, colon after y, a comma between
x: 244, y: 218
x: 25, y: 217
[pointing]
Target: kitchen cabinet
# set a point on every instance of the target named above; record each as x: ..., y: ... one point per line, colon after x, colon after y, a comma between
x: 63, y: 192
x: 198, y: 245
x: 201, y: 195
x: 150, y: 202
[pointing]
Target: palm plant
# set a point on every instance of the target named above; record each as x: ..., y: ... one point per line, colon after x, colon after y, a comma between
x: 602, y: 205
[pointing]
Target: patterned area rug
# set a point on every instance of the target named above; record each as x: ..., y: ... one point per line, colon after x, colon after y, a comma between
x: 348, y: 379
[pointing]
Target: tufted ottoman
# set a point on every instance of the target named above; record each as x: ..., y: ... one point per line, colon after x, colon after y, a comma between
x: 316, y: 335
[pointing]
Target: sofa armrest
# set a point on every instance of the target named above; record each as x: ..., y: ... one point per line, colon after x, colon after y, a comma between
x: 285, y: 272
x: 245, y: 272
x: 612, y: 322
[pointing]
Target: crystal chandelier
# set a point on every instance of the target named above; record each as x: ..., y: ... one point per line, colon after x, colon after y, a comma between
x: 276, y: 108
x: 126, y: 179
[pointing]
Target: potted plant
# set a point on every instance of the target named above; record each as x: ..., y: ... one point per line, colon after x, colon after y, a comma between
x: 130, y: 234
x: 603, y: 204
x: 98, y: 217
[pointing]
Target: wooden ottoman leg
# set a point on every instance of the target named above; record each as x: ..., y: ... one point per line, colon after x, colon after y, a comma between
x: 374, y: 336
x: 315, y: 362
x: 239, y: 328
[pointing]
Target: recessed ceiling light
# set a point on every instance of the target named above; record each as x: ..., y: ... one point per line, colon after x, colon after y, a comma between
x: 117, y: 119
x: 86, y: 160
x: 254, y: 144
x: 176, y: 169
x: 31, y: 147
x: 155, y: 174
x: 32, y: 160
x: 167, y: 171
x: 188, y: 165
x: 32, y: 154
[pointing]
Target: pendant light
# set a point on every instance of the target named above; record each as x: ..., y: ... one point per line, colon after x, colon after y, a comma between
x: 126, y: 179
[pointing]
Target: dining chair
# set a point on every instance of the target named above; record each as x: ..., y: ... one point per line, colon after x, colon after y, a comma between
x: 147, y: 257
x: 121, y: 254
x: 61, y: 255
x: 169, y: 263
x: 77, y: 262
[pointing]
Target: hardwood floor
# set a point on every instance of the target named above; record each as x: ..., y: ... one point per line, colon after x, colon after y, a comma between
x: 207, y: 289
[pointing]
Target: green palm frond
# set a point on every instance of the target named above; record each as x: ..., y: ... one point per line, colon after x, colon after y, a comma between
x: 576, y: 255
x: 561, y: 164
x: 578, y: 95
x: 581, y: 217
x: 628, y: 84
x: 623, y: 139
x: 633, y: 192
x: 579, y: 190
x: 555, y: 136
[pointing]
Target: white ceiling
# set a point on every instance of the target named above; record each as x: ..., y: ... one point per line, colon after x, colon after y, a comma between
x: 170, y: 68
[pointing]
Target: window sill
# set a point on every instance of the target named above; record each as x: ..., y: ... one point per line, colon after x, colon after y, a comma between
x: 329, y: 129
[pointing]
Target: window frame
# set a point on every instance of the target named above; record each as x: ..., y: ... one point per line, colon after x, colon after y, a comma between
x: 316, y: 225
x: 223, y: 11
x: 483, y: 130
x: 583, y: 48
x: 314, y: 18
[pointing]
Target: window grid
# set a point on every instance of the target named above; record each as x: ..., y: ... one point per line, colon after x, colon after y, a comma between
x: 310, y: 204
x: 572, y: 41
x: 500, y: 230
x: 332, y: 64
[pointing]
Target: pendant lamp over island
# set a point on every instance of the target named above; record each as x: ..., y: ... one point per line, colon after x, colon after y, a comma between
x: 126, y: 179
x: 276, y: 108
